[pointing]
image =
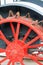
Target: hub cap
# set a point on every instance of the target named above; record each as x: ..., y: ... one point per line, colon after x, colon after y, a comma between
x: 15, y: 51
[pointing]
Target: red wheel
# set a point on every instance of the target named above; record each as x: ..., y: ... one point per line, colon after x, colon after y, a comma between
x: 17, y: 49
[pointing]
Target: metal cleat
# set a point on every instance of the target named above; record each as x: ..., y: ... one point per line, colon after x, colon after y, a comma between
x: 17, y: 14
x: 11, y: 13
x: 1, y: 17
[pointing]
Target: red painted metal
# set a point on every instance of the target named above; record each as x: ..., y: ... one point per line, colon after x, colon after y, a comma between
x: 17, y: 50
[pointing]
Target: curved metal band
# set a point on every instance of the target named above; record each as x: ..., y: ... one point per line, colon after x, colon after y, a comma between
x: 28, y: 5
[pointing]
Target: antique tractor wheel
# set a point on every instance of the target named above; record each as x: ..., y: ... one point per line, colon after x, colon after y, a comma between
x: 19, y: 46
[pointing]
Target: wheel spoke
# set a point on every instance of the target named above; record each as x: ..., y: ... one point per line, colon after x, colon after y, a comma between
x: 2, y: 36
x: 40, y: 58
x: 40, y: 52
x: 27, y: 34
x: 34, y: 58
x: 32, y: 41
x: 3, y: 60
x: 35, y: 46
x: 13, y: 30
x: 2, y: 50
x: 17, y: 31
x: 22, y: 63
x: 13, y: 63
x: 9, y: 63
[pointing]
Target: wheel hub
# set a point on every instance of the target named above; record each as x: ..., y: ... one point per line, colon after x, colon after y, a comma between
x: 15, y: 51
